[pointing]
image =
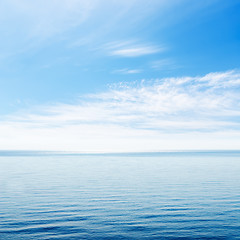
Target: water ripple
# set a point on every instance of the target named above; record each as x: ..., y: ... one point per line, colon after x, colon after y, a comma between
x: 56, y: 197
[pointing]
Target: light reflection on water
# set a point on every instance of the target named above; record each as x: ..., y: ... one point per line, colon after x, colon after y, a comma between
x: 158, y: 196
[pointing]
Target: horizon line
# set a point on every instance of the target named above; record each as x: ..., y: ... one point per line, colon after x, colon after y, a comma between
x: 62, y: 153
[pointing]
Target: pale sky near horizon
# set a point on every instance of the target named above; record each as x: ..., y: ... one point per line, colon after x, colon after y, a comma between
x: 119, y: 76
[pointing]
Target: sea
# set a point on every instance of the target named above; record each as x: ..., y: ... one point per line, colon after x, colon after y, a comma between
x: 160, y: 195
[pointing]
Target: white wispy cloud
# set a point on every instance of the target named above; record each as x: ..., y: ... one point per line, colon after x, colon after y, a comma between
x: 164, y: 64
x: 132, y: 49
x: 26, y: 25
x: 172, y: 113
x: 135, y: 51
x: 128, y: 71
x: 42, y: 18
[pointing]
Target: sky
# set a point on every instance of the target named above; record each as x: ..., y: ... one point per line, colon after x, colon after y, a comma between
x: 119, y: 76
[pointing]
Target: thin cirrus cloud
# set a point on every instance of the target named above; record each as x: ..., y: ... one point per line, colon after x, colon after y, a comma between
x: 187, y: 113
x: 164, y: 64
x: 27, y: 25
x: 46, y: 18
x: 131, y: 49
x: 127, y: 71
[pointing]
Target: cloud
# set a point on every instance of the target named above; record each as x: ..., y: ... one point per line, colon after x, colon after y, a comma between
x: 42, y: 18
x: 164, y: 64
x: 26, y: 25
x: 135, y: 51
x: 128, y: 71
x: 173, y: 113
x: 38, y: 20
x: 131, y: 49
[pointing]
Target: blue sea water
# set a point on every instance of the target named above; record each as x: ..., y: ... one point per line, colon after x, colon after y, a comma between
x: 185, y: 195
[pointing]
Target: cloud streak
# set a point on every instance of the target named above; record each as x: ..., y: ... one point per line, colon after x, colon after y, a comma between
x: 172, y: 113
x: 128, y: 71
x: 45, y: 18
x: 135, y: 51
x: 132, y: 49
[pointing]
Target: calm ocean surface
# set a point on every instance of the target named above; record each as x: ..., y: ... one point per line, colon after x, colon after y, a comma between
x: 194, y: 195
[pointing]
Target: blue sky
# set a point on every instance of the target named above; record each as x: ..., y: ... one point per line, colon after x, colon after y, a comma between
x: 119, y: 75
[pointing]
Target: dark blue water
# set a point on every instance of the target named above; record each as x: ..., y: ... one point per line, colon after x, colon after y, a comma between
x: 130, y: 196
